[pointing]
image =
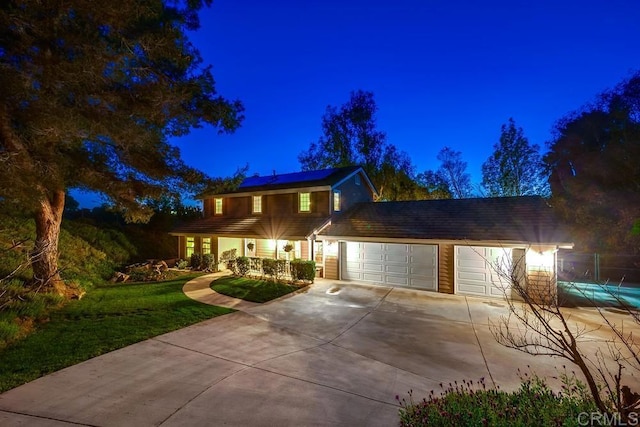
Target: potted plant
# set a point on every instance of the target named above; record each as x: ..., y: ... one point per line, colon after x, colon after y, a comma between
x: 250, y: 246
x: 287, y: 248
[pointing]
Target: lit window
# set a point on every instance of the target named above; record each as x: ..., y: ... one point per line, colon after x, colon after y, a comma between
x: 191, y: 247
x: 336, y: 200
x: 218, y: 206
x: 257, y: 204
x: 357, y: 179
x: 304, y: 200
x: 206, y: 245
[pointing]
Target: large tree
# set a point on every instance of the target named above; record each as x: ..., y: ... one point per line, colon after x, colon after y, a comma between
x: 350, y: 137
x: 435, y: 184
x: 91, y: 92
x: 595, y: 172
x: 452, y: 175
x: 515, y: 168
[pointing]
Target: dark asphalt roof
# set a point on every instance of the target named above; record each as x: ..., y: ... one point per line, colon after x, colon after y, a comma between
x: 315, y: 178
x: 293, y: 227
x: 526, y: 219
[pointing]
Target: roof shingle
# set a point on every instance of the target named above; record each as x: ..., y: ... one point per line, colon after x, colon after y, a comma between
x: 293, y: 227
x: 527, y: 219
x: 316, y: 178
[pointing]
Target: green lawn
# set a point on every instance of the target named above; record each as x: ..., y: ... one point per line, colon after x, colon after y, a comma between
x: 109, y: 317
x: 253, y: 290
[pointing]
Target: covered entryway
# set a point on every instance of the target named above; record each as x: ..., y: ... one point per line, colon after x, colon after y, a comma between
x: 394, y: 264
x: 475, y: 270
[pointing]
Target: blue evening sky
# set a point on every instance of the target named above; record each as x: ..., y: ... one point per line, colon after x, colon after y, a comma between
x: 444, y: 73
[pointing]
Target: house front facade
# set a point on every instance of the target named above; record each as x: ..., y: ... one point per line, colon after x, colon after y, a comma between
x: 277, y: 216
x: 460, y: 246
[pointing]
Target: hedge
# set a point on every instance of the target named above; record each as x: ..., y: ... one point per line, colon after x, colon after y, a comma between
x: 303, y: 270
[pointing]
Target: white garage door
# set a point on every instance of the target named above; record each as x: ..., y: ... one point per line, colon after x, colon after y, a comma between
x: 476, y: 270
x: 392, y: 264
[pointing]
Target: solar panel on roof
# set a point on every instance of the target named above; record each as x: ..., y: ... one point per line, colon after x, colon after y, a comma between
x: 287, y: 178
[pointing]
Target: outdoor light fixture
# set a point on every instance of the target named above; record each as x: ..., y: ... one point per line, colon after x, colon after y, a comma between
x: 543, y: 258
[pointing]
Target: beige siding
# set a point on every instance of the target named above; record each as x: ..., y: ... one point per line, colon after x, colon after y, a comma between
x: 228, y: 243
x: 445, y: 268
x: 304, y: 250
x: 331, y: 267
x: 265, y: 249
x: 541, y: 285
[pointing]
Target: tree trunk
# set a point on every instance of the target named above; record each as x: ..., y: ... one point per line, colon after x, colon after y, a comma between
x: 44, y: 258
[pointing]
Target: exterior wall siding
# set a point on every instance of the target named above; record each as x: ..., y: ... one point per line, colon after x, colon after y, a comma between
x: 445, y: 268
x: 182, y: 246
x: 228, y: 243
x: 350, y: 193
x: 207, y: 207
x: 331, y: 267
x: 541, y: 286
x: 277, y: 205
x: 264, y: 249
x: 319, y: 203
x: 237, y: 206
x: 304, y: 249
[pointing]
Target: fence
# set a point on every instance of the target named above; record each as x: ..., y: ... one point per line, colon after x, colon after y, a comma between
x: 599, y: 268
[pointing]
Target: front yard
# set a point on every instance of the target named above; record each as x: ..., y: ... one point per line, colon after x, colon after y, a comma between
x: 254, y: 290
x: 109, y: 317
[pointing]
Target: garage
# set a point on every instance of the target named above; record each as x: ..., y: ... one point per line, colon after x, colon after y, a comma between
x: 475, y: 271
x: 393, y: 264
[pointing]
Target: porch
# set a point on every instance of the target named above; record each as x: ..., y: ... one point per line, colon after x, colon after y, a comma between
x: 254, y: 248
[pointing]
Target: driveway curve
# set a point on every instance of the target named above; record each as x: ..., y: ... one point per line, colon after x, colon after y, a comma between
x: 337, y: 354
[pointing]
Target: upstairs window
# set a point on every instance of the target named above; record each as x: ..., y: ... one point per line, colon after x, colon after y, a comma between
x: 358, y: 179
x: 304, y: 202
x: 191, y: 247
x: 206, y: 245
x: 336, y: 200
x: 256, y: 207
x: 217, y: 206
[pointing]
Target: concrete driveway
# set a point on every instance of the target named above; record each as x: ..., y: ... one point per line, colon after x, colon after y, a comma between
x: 335, y: 355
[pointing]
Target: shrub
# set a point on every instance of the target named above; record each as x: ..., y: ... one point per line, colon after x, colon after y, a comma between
x: 196, y: 260
x: 303, y: 270
x: 209, y: 262
x: 255, y: 264
x: 229, y: 258
x: 142, y: 273
x: 242, y: 265
x: 273, y: 268
x: 182, y: 264
x: 466, y: 403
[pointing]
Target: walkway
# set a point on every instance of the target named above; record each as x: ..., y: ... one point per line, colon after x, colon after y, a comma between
x: 199, y: 289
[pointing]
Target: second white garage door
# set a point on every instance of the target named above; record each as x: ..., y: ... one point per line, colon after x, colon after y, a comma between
x: 476, y: 272
x: 392, y: 264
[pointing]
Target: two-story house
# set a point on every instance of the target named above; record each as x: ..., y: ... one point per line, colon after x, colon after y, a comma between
x: 266, y: 213
x: 451, y: 246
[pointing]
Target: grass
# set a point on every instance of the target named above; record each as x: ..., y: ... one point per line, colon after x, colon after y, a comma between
x: 109, y: 317
x: 253, y: 290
